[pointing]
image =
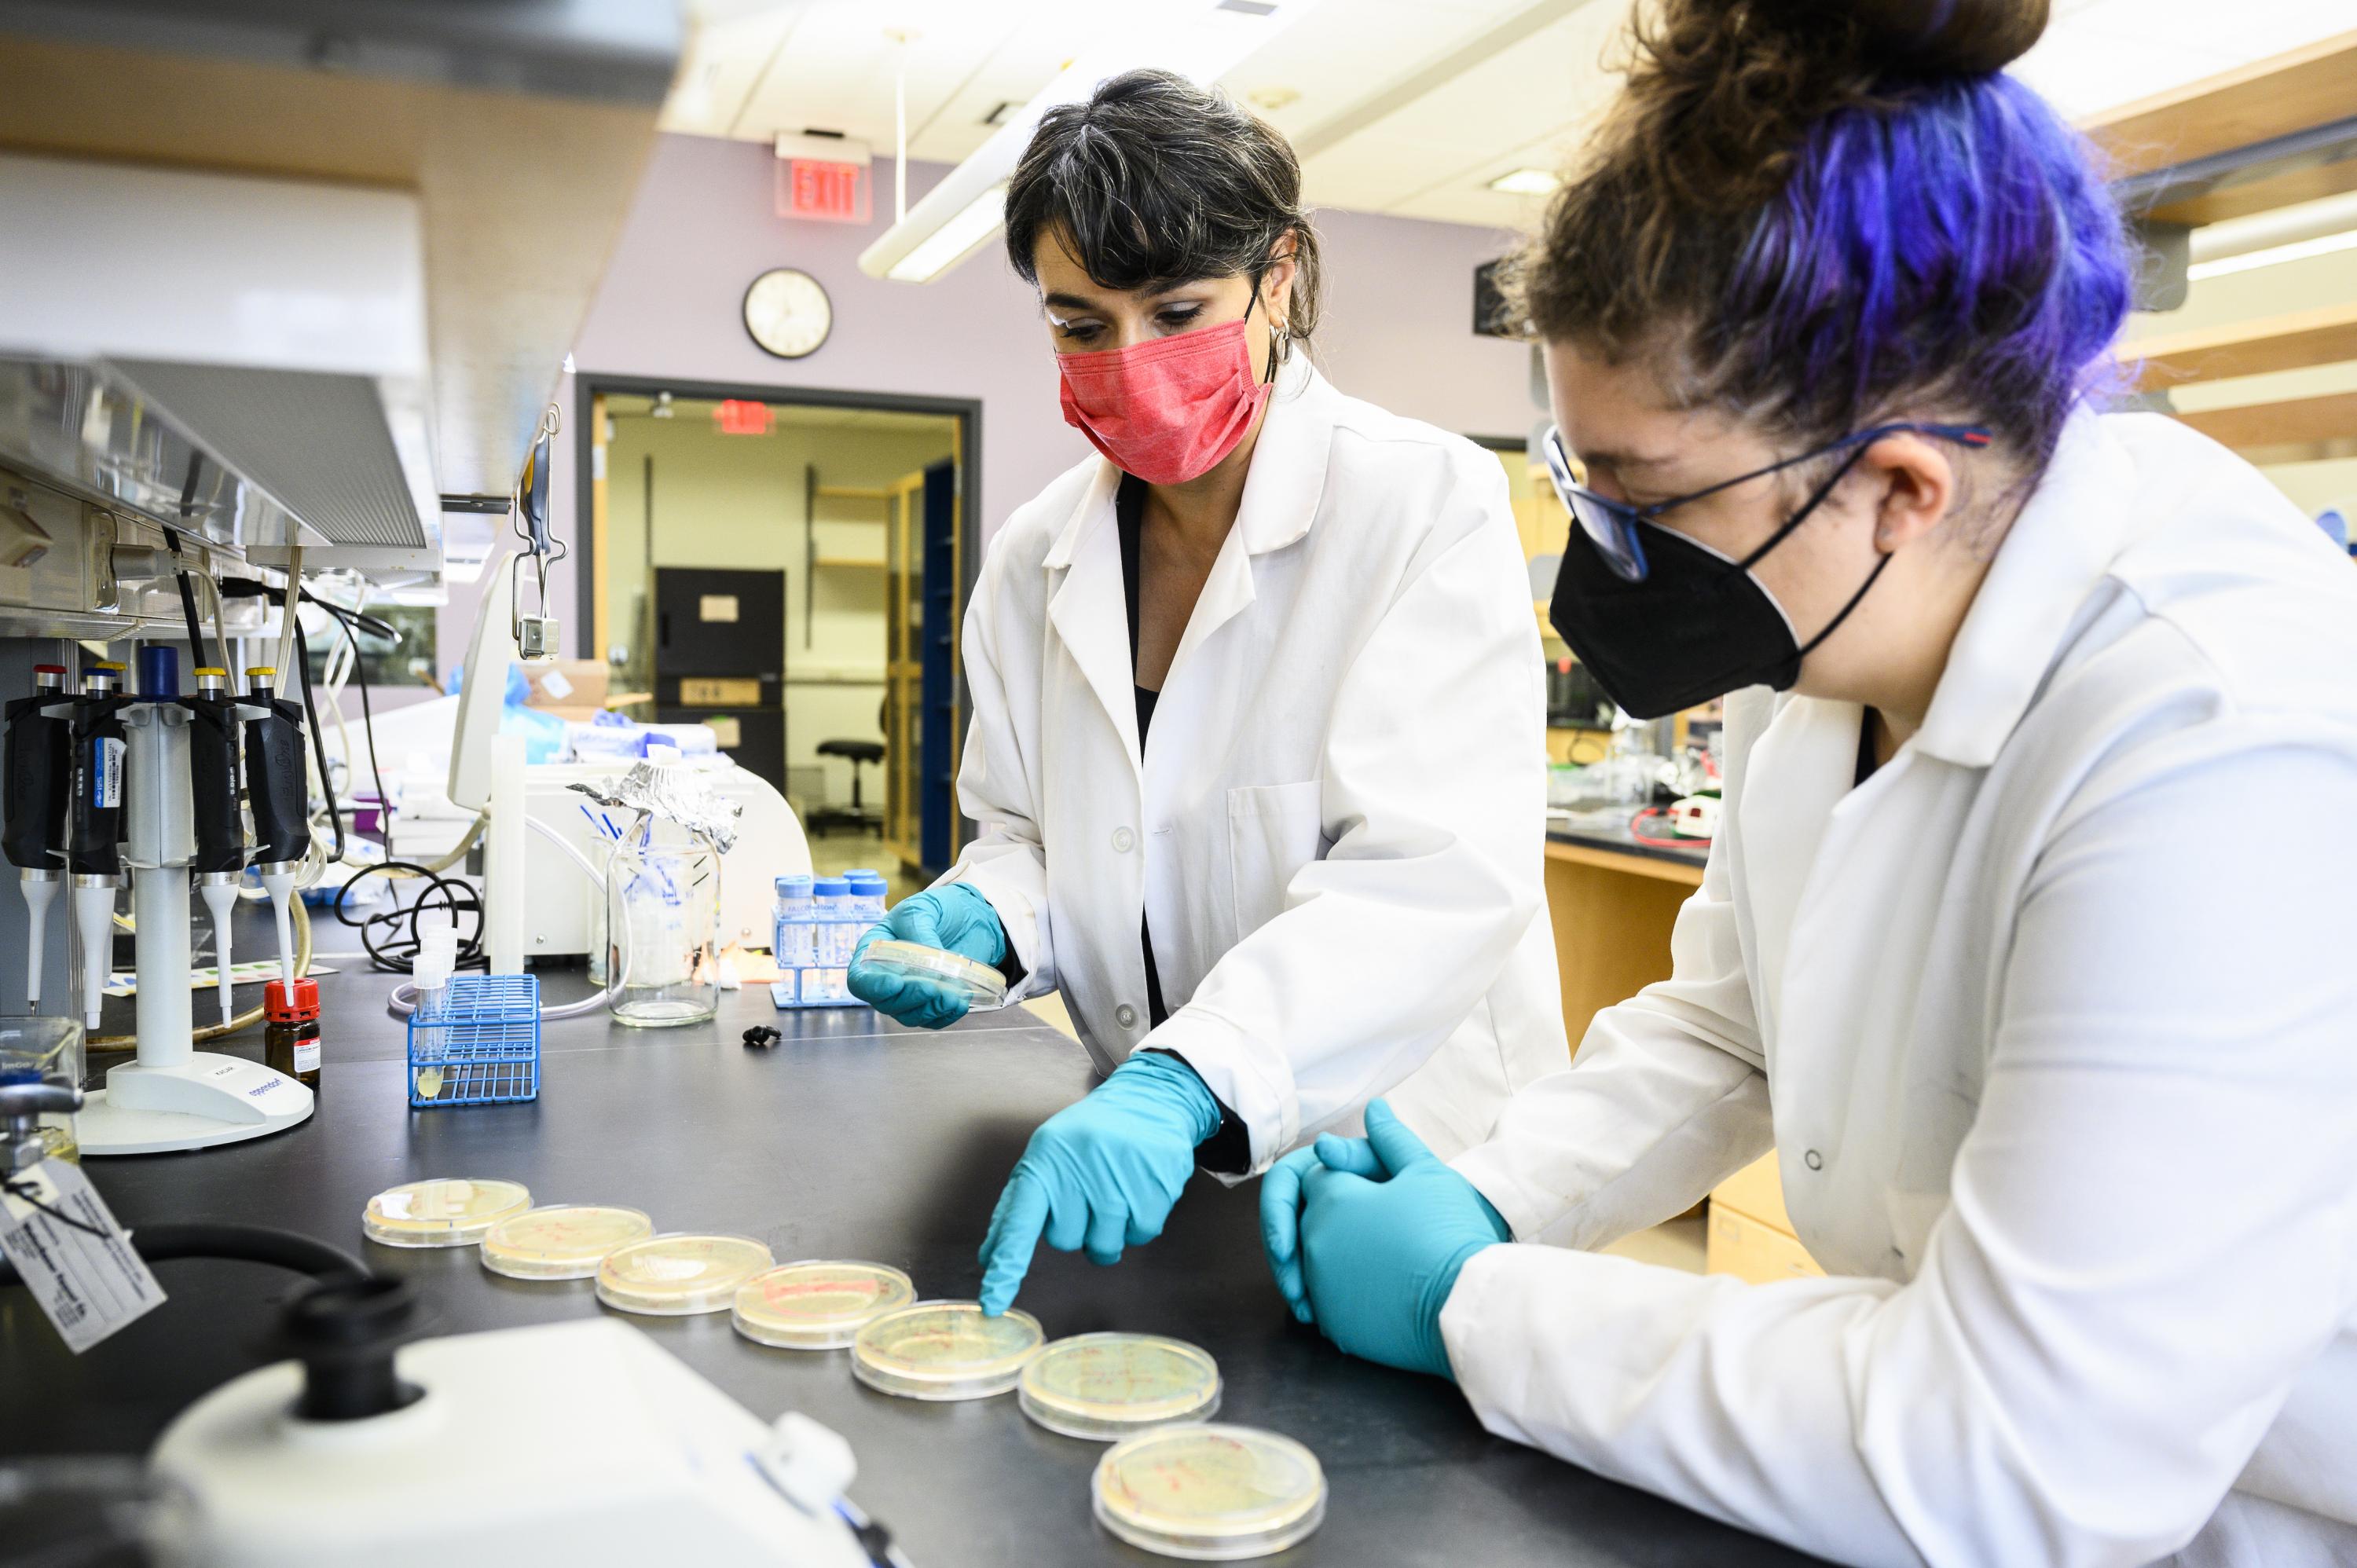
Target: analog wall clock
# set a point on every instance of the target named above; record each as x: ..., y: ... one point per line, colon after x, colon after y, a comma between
x: 788, y: 313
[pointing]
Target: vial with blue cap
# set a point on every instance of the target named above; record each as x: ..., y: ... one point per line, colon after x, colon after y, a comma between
x: 793, y: 933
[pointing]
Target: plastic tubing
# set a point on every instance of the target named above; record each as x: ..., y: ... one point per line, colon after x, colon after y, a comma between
x: 403, y: 1001
x: 239, y: 1243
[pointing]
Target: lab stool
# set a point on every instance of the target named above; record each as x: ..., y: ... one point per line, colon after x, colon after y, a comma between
x: 858, y: 817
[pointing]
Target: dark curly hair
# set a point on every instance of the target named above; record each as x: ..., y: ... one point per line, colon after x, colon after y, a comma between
x: 1154, y: 180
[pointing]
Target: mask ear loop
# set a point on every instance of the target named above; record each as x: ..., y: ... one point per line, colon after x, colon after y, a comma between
x: 1798, y: 518
x: 1834, y: 625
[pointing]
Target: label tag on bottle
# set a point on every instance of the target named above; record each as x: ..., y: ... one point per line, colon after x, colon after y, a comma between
x: 307, y: 1055
x: 72, y: 1255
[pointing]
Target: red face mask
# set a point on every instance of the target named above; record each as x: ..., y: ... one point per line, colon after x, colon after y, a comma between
x: 1167, y: 410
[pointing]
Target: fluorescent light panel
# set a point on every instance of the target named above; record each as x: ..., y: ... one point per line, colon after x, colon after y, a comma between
x: 954, y: 240
x: 1526, y: 182
x: 2274, y: 255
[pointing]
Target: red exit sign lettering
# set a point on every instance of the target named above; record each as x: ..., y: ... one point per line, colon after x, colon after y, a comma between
x: 828, y: 192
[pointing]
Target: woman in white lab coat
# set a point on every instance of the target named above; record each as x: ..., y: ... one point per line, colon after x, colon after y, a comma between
x: 1257, y: 748
x: 2025, y: 942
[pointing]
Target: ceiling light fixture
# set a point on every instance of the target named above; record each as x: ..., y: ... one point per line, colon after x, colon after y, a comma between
x: 1526, y: 182
x: 2274, y: 255
x: 1199, y: 39
x: 954, y: 240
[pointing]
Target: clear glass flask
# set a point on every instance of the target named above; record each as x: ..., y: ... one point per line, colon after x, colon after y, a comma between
x: 662, y: 926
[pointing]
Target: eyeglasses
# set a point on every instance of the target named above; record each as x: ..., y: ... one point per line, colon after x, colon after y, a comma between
x: 1612, y: 527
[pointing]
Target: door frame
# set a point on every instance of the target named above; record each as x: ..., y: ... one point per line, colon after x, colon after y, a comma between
x: 588, y: 384
x: 590, y: 575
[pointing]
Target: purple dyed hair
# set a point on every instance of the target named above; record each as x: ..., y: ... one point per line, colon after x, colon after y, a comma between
x: 1814, y: 224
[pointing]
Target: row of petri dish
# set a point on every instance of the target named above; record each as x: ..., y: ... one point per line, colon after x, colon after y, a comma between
x: 1172, y: 1482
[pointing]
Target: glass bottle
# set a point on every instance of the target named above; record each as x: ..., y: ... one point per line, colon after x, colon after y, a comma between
x: 32, y: 1049
x: 662, y: 925
x: 290, y: 1037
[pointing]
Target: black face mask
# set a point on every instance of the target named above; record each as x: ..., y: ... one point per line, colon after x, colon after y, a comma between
x: 1697, y: 626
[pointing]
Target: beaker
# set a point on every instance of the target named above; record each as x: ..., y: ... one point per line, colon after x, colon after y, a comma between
x: 35, y: 1048
x: 662, y: 925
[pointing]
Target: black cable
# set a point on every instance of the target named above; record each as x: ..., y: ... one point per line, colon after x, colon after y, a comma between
x: 239, y: 1243
x: 319, y: 742
x: 368, y: 727
x: 26, y: 1189
x: 187, y: 597
x: 393, y: 956
x: 252, y: 588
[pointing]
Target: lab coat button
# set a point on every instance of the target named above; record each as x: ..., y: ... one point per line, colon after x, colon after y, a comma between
x: 1126, y: 1016
x: 1814, y: 1160
x: 1122, y: 839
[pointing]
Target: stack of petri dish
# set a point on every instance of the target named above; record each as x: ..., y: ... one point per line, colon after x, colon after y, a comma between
x: 1108, y: 1386
x: 818, y: 1304
x: 565, y: 1241
x: 1210, y: 1494
x: 678, y: 1274
x: 944, y: 1350
x: 448, y: 1212
x: 984, y: 987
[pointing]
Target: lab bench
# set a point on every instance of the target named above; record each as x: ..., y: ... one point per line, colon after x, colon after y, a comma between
x: 852, y: 1138
x: 1612, y: 901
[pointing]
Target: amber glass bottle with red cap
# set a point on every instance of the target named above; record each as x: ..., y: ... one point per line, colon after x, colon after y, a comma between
x: 290, y: 1040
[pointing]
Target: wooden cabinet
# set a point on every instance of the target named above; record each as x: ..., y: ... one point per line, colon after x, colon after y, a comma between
x: 1754, y: 1251
x: 1751, y: 1233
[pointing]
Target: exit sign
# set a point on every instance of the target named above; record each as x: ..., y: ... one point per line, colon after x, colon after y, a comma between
x: 833, y: 193
x: 825, y: 178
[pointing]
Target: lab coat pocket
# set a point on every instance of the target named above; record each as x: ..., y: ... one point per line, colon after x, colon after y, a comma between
x: 1272, y: 832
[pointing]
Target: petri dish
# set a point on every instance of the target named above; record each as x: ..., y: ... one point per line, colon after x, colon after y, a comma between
x: 450, y: 1211
x: 1109, y: 1386
x: 677, y: 1275
x: 944, y: 1350
x: 818, y: 1304
x: 984, y: 986
x: 566, y: 1241
x: 1210, y: 1493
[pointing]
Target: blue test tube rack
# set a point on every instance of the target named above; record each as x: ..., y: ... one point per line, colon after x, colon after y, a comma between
x: 476, y: 1041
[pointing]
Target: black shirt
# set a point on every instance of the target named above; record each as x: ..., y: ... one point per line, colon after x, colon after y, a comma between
x: 1229, y: 1148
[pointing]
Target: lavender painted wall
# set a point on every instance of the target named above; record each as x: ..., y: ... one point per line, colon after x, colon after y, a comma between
x: 1396, y: 330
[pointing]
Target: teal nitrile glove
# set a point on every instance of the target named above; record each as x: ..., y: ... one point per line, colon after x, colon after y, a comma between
x: 1100, y: 1172
x: 1280, y: 1206
x: 956, y: 918
x: 1380, y: 1257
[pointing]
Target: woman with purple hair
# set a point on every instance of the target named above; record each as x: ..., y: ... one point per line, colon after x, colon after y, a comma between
x: 2060, y: 1058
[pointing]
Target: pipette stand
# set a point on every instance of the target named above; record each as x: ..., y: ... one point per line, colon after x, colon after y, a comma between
x: 173, y: 1096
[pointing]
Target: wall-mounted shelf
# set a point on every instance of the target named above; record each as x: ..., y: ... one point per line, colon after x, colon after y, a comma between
x: 2285, y: 94
x: 812, y: 562
x: 2300, y: 338
x: 2268, y: 134
x: 2303, y: 422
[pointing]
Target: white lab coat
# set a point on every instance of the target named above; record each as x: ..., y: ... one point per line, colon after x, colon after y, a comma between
x: 1337, y: 827
x: 2053, y: 1025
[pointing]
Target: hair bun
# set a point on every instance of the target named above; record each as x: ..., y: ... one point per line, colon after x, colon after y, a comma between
x: 1924, y: 38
